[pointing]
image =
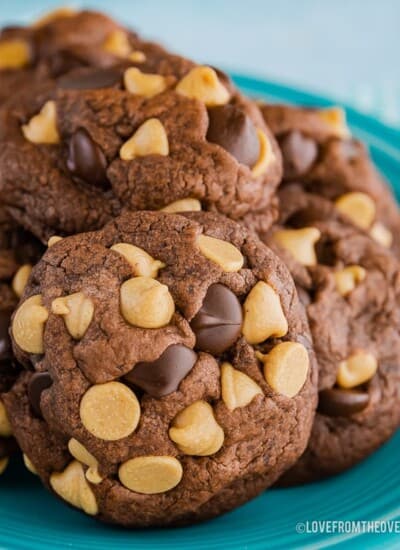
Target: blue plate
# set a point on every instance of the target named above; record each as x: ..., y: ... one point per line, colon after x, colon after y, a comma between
x: 31, y: 518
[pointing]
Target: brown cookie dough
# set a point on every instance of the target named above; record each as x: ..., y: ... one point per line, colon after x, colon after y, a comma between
x: 123, y: 132
x: 351, y: 290
x: 170, y: 371
x: 319, y: 152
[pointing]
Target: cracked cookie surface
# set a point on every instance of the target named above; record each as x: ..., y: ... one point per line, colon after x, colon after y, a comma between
x: 169, y: 373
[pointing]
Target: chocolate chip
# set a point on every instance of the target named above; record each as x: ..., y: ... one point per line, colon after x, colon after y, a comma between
x: 233, y: 130
x: 163, y: 375
x: 299, y: 154
x: 90, y: 79
x: 86, y: 160
x: 340, y: 402
x: 218, y: 323
x: 5, y: 343
x: 39, y: 382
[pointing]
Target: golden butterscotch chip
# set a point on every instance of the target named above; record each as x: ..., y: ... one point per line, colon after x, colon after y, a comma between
x: 28, y: 464
x: 146, y: 303
x: 79, y: 452
x: 143, y: 265
x: 202, y: 83
x: 14, y: 54
x: 359, y: 207
x: 5, y: 426
x: 266, y: 155
x: 149, y: 139
x: 145, y: 84
x: 117, y: 43
x: 300, y: 243
x: 195, y: 430
x: 381, y: 234
x: 3, y: 464
x: 77, y: 311
x: 336, y: 118
x: 223, y: 253
x: 348, y: 278
x: 42, y: 128
x: 286, y: 368
x: 20, y: 279
x: 72, y: 487
x: 137, y: 56
x: 59, y: 13
x: 28, y: 325
x: 110, y: 411
x: 238, y: 389
x: 150, y: 475
x: 357, y: 369
x: 263, y: 314
x: 183, y: 205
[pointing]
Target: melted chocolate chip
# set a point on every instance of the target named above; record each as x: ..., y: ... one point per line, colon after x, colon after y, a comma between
x: 39, y: 382
x: 218, y: 323
x: 233, y: 130
x: 86, y: 161
x: 299, y: 154
x: 340, y: 402
x: 90, y: 79
x: 163, y: 376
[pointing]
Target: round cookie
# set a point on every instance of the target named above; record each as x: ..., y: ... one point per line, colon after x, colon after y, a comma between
x: 320, y: 153
x: 351, y: 290
x: 170, y: 371
x: 123, y: 133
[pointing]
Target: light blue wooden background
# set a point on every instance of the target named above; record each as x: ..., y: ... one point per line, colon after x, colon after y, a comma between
x: 348, y: 49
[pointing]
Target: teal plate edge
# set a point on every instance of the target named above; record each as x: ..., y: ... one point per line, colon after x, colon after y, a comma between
x: 31, y: 518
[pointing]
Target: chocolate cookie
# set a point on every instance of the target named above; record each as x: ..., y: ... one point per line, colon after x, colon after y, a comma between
x: 319, y: 152
x: 351, y: 290
x: 170, y: 371
x: 131, y: 133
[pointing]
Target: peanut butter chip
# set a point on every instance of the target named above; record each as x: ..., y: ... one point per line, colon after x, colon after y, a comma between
x: 381, y: 235
x: 359, y: 207
x: 79, y: 452
x: 14, y: 54
x: 146, y: 303
x: 77, y: 311
x: 202, y: 83
x: 238, y: 389
x: 20, y: 279
x: 183, y: 205
x: 195, y: 430
x: 300, y: 243
x: 263, y: 315
x: 348, y: 278
x: 3, y: 464
x: 336, y: 118
x: 144, y: 84
x: 286, y: 368
x: 53, y: 240
x: 266, y: 155
x: 224, y: 254
x: 5, y: 426
x: 28, y: 325
x: 142, y: 263
x: 42, y: 128
x: 110, y: 411
x: 72, y: 487
x: 149, y: 139
x: 150, y: 475
x: 356, y: 369
x: 28, y: 464
x: 117, y: 43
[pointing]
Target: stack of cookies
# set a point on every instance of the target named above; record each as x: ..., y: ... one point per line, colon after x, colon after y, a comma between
x: 200, y: 294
